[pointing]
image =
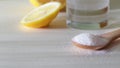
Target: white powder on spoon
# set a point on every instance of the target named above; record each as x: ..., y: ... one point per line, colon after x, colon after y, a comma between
x: 90, y: 39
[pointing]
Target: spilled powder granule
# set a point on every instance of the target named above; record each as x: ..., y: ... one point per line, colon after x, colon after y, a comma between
x: 87, y: 52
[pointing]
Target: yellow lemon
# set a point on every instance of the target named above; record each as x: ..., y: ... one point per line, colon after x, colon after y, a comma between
x: 42, y: 16
x: 40, y: 2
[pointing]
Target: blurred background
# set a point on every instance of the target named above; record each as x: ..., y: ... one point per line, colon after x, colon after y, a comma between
x: 114, y: 4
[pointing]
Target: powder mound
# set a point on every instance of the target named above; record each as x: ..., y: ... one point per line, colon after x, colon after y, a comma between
x: 90, y: 39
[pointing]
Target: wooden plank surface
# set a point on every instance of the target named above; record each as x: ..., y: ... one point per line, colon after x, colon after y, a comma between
x: 22, y: 47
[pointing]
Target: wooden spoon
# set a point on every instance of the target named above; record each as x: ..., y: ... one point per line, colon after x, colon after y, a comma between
x: 111, y: 36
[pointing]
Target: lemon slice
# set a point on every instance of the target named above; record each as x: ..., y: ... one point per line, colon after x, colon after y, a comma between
x: 40, y: 2
x: 42, y: 16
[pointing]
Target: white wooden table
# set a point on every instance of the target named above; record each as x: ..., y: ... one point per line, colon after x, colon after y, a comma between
x: 22, y: 47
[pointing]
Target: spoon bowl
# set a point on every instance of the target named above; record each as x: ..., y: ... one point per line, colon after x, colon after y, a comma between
x: 110, y: 36
x: 98, y: 47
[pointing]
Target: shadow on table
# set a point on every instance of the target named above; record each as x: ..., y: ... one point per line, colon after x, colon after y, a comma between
x: 59, y: 22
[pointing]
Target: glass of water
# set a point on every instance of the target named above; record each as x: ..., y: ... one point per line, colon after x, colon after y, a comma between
x: 87, y: 14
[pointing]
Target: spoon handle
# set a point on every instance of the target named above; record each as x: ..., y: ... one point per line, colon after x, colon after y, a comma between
x: 112, y: 35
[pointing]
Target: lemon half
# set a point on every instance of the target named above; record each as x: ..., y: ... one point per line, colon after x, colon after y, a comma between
x: 42, y: 16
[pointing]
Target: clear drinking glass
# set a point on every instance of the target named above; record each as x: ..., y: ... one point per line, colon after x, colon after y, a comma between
x: 87, y: 14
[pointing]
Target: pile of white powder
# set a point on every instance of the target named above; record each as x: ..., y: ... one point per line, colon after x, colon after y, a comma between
x: 90, y: 39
